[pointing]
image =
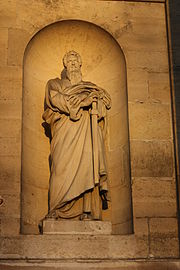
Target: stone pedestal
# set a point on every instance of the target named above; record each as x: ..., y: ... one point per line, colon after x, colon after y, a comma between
x: 51, y: 226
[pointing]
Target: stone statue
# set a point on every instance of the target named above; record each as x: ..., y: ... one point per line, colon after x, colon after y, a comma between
x: 76, y: 112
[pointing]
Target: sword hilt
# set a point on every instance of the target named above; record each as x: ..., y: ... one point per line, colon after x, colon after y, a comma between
x: 94, y: 108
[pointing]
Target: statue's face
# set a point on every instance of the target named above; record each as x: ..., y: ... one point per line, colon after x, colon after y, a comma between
x: 72, y: 63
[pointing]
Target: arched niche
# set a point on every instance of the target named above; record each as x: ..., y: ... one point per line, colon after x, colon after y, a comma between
x: 103, y: 64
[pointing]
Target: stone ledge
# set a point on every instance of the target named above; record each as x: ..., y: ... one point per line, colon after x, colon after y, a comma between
x: 153, y: 1
x: 72, y: 247
x: 85, y: 247
x: 91, y: 265
x: 51, y: 226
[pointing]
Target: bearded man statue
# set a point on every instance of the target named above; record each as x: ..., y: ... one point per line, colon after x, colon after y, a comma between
x: 74, y: 191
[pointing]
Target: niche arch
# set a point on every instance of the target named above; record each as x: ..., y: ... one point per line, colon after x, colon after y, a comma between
x: 103, y: 64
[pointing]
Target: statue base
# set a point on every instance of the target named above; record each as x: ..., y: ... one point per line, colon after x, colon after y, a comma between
x: 52, y: 226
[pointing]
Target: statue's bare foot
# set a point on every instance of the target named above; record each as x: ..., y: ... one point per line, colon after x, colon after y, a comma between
x: 86, y: 217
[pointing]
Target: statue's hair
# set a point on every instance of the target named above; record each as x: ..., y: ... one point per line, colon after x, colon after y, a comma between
x: 69, y: 54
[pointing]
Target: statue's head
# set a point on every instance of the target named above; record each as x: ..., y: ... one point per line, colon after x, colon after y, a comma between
x: 72, y: 61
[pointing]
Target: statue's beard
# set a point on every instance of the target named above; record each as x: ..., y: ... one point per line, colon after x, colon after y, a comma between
x: 74, y: 76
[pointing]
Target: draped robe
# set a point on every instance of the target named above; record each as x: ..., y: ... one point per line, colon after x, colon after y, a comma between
x: 71, y: 145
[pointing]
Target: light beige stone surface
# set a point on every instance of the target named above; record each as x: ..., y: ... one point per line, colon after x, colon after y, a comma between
x: 11, y: 83
x: 74, y: 247
x: 9, y: 147
x: 163, y: 226
x: 10, y: 128
x: 118, y: 166
x: 147, y: 86
x: 137, y: 81
x: 141, y: 226
x: 120, y: 210
x: 159, y: 88
x: 10, y: 109
x: 145, y: 122
x: 10, y: 226
x: 163, y: 237
x: 140, y: 29
x: 152, y: 158
x: 51, y: 226
x: 134, y: 58
x: 154, y: 197
x: 9, y: 174
x: 8, y: 13
x: 161, y: 247
x: 3, y: 46
x: 10, y: 206
x: 118, y: 136
x: 92, y: 265
x: 17, y: 41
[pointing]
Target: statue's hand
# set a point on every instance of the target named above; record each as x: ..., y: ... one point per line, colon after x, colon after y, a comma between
x: 82, y: 99
x: 75, y: 100
x: 89, y: 99
x: 87, y: 102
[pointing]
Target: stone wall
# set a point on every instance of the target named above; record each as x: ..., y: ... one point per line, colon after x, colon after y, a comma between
x: 140, y: 30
